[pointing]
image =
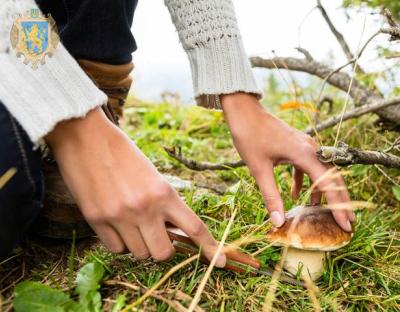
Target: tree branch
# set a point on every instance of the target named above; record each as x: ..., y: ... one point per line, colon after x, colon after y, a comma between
x: 339, y: 80
x: 201, y: 166
x: 390, y: 19
x: 306, y: 53
x: 339, y: 37
x: 357, y: 112
x: 393, y: 32
x: 344, y: 155
x: 360, y: 94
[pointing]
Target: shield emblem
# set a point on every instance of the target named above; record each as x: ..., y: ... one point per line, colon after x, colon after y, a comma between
x: 35, y: 36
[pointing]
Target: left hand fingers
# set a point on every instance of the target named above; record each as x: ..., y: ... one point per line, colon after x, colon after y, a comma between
x: 333, y: 189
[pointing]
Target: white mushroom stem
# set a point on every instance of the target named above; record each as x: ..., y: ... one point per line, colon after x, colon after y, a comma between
x: 310, y: 262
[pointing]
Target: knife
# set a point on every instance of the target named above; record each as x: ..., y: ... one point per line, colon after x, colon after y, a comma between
x: 237, y: 261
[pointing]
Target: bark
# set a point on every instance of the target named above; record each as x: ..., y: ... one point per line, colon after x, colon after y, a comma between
x: 344, y: 155
x: 357, y: 112
x: 360, y: 94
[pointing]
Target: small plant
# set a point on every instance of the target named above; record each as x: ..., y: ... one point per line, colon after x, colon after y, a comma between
x: 34, y: 296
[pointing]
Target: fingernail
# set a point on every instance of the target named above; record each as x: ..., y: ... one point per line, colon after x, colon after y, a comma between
x: 277, y: 218
x: 221, y: 261
x: 348, y: 226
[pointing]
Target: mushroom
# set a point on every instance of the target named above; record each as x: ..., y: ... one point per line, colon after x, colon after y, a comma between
x: 309, y: 232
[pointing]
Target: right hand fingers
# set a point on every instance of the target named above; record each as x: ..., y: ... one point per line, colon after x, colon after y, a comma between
x: 134, y: 241
x: 156, y: 238
x: 184, y: 218
x: 266, y: 182
x: 110, y: 238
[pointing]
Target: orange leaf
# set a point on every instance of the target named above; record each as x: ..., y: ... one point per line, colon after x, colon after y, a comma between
x: 297, y: 105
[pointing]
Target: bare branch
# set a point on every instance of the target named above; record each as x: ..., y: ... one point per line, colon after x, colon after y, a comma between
x: 395, y: 145
x: 201, y: 166
x: 360, y: 94
x: 344, y: 155
x: 306, y: 53
x: 340, y: 80
x: 389, y: 17
x: 320, y: 103
x: 326, y: 100
x: 393, y: 32
x: 339, y: 37
x: 355, y: 113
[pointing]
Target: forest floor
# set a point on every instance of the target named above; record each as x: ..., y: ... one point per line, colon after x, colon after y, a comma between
x: 365, y: 275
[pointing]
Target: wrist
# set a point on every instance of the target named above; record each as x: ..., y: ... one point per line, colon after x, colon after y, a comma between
x: 78, y: 129
x: 240, y: 101
x: 241, y: 110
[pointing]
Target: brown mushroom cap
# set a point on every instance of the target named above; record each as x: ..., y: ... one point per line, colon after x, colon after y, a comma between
x: 311, y: 228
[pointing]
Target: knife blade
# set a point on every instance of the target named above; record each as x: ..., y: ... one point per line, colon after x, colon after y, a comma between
x: 237, y: 261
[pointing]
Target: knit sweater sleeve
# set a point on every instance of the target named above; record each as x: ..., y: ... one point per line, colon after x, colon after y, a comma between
x: 39, y: 99
x: 209, y: 34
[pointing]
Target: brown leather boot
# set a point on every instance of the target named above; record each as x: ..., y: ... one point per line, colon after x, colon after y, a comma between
x: 60, y: 217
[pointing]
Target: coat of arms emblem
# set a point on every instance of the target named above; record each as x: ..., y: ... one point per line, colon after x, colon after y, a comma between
x: 34, y: 36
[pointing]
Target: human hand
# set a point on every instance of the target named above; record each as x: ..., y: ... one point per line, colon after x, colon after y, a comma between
x: 264, y: 141
x: 120, y: 192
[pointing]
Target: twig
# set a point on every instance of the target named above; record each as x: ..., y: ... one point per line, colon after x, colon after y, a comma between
x: 386, y: 175
x: 394, y: 29
x: 320, y: 102
x: 393, y: 32
x: 326, y: 100
x: 344, y: 155
x: 306, y: 53
x: 395, y: 145
x: 201, y: 166
x: 339, y: 37
x: 390, y: 19
x: 355, y: 113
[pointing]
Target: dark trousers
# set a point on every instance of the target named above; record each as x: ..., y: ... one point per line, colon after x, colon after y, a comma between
x: 21, y: 197
x: 97, y: 30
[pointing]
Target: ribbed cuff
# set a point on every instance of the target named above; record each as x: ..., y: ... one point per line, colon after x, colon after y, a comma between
x: 221, y: 67
x: 56, y: 91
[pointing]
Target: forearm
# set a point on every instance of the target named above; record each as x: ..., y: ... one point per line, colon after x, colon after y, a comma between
x: 210, y: 35
x: 56, y: 91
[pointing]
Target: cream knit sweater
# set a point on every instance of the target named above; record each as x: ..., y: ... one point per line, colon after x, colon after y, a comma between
x: 60, y: 90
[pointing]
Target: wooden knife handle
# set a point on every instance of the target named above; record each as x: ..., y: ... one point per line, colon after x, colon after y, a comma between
x: 236, y: 257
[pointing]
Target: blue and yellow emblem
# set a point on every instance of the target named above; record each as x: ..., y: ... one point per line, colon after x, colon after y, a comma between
x: 34, y: 36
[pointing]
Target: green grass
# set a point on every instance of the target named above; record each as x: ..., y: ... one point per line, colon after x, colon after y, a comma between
x: 364, y: 275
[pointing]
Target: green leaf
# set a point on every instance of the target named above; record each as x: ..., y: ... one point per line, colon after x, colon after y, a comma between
x: 33, y: 296
x: 396, y: 192
x: 88, y: 282
x: 119, y: 303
